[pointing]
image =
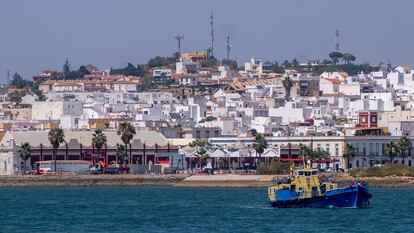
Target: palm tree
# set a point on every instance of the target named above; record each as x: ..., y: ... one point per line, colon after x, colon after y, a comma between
x: 120, y: 152
x: 25, y: 151
x: 127, y: 132
x: 335, y: 56
x: 56, y: 136
x: 318, y: 154
x: 259, y: 145
x: 223, y: 164
x: 287, y: 84
x: 201, y: 146
x: 391, y: 149
x: 305, y: 152
x: 98, y: 140
x: 404, y: 145
x: 347, y: 58
x: 349, y: 153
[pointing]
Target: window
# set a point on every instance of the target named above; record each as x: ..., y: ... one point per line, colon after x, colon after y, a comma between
x: 216, y: 133
x: 336, y: 149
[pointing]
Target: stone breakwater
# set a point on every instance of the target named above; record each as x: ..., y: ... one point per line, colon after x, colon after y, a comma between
x: 88, y: 180
x: 176, y: 180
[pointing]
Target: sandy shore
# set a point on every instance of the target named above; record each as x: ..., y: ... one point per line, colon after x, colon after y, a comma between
x: 175, y: 180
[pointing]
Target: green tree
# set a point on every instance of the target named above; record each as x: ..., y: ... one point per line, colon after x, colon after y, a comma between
x: 66, y: 67
x: 19, y: 82
x: 335, y: 56
x: 56, y: 137
x: 201, y: 145
x: 210, y: 62
x: 232, y: 64
x: 305, y: 152
x: 160, y: 61
x: 98, y: 140
x: 349, y: 152
x: 326, y: 62
x: 404, y: 145
x: 287, y: 84
x: 16, y: 97
x: 347, y: 58
x: 25, y: 152
x: 391, y: 150
x: 120, y: 152
x: 319, y: 153
x: 147, y: 83
x: 259, y: 145
x: 286, y: 65
x: 295, y: 63
x: 127, y: 132
x: 277, y: 68
x: 35, y: 90
x: 223, y: 164
x: 131, y: 70
x: 83, y: 71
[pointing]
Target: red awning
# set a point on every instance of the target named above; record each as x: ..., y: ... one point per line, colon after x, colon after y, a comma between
x: 163, y: 161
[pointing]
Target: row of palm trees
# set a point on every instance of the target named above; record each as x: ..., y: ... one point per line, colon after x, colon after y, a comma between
x: 56, y: 137
x: 393, y: 149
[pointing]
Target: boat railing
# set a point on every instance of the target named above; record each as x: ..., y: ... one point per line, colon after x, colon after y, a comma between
x: 281, y: 180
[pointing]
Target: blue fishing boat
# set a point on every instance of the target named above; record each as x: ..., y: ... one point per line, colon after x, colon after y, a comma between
x: 305, y: 188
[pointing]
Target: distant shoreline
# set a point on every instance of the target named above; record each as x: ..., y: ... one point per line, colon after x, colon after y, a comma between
x: 198, y: 181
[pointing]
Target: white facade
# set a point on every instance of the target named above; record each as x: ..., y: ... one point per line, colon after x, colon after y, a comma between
x: 53, y: 110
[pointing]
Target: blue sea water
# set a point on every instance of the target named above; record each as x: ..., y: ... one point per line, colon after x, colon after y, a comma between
x: 168, y: 209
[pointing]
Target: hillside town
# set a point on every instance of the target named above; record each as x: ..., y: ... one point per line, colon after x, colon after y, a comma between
x: 191, y: 111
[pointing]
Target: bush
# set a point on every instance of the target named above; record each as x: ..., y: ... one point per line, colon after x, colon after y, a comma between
x: 275, y: 168
x: 391, y: 169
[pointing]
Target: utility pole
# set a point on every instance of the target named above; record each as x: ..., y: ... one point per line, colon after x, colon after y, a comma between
x: 228, y: 47
x: 179, y: 37
x: 212, y: 34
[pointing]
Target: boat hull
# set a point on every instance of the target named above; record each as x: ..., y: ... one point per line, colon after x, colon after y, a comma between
x: 356, y: 196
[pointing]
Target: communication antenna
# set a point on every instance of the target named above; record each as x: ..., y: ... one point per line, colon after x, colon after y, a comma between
x: 228, y: 47
x: 337, y: 40
x: 212, y: 34
x: 8, y: 77
x: 179, y: 37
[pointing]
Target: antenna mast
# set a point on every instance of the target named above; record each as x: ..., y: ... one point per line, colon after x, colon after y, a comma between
x: 8, y: 78
x: 228, y: 47
x: 179, y: 37
x: 212, y: 34
x: 337, y: 40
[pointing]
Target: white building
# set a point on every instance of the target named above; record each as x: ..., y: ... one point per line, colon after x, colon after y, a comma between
x: 54, y: 110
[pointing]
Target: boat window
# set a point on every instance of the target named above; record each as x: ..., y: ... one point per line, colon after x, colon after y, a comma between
x: 300, y: 173
x: 307, y: 173
x: 314, y: 173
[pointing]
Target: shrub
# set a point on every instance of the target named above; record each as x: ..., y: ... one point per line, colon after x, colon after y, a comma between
x: 274, y: 168
x: 391, y: 169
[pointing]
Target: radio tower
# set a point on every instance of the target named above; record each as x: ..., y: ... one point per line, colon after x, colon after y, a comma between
x: 337, y: 40
x: 8, y: 78
x: 228, y: 47
x: 179, y: 37
x: 212, y: 34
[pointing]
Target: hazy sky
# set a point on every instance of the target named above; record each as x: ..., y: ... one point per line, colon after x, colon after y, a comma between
x: 40, y: 34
